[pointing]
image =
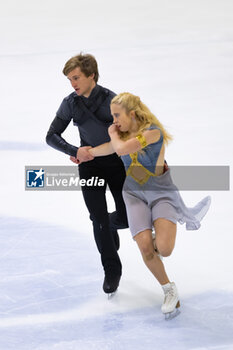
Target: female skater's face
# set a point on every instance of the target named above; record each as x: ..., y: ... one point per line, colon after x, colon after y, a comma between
x: 122, y: 120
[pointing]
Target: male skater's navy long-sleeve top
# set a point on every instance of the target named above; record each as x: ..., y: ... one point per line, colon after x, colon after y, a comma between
x: 91, y: 115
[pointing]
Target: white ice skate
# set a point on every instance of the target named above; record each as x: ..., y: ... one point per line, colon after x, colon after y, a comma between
x: 170, y: 307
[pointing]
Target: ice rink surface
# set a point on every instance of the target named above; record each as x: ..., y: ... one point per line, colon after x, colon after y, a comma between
x: 177, y: 56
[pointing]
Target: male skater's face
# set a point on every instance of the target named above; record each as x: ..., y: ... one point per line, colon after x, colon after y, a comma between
x: 82, y: 85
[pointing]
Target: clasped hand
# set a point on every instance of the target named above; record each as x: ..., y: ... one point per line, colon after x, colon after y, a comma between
x: 83, y: 154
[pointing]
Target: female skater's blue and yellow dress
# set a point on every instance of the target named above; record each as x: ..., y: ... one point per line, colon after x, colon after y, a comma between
x: 152, y: 197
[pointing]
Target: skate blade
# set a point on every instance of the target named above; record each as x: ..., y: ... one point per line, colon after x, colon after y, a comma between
x: 170, y: 315
x: 111, y: 295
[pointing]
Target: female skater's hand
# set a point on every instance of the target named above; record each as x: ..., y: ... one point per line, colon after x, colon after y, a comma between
x: 112, y: 130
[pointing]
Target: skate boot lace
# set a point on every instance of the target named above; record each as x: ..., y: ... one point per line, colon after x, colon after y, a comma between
x: 171, y: 300
x: 170, y: 294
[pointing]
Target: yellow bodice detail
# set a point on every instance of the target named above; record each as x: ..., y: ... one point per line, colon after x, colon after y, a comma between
x: 136, y: 169
x: 136, y: 165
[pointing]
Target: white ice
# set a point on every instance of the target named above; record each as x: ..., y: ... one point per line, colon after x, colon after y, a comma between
x: 177, y: 55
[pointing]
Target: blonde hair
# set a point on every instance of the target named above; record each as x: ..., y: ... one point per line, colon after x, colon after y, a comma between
x: 143, y: 115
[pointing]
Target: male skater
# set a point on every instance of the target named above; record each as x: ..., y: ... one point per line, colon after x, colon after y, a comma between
x: 89, y: 108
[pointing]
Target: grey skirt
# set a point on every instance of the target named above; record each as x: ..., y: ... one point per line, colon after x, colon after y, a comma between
x: 159, y: 198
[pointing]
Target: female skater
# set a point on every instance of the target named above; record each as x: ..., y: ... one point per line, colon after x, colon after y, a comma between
x: 151, y: 198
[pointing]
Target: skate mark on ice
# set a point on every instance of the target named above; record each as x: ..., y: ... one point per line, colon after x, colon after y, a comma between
x: 22, y: 146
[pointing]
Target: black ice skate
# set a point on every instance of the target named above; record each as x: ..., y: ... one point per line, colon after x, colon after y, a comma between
x: 111, y: 284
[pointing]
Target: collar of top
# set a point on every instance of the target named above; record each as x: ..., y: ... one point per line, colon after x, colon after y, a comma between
x: 93, y: 94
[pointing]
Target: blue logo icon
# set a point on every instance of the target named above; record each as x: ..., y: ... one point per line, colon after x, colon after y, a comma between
x: 35, y: 178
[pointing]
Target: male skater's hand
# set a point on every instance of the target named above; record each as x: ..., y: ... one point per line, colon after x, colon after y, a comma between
x: 83, y: 155
x: 74, y: 160
x: 165, y: 166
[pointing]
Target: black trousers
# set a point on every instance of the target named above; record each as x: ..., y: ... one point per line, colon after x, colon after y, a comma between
x: 111, y: 170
